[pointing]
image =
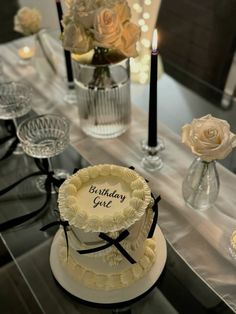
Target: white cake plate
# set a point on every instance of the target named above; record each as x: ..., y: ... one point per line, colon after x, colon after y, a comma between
x: 102, y: 297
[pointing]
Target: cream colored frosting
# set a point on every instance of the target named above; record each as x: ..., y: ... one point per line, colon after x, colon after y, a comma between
x: 108, y: 281
x: 83, y: 203
x: 126, y: 203
x: 138, y: 234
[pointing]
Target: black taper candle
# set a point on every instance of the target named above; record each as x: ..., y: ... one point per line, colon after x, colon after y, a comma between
x: 152, y: 118
x: 69, y: 70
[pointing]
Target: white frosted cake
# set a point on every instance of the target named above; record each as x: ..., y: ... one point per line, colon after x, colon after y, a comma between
x: 109, y: 210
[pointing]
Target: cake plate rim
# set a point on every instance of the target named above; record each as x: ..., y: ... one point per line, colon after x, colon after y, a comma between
x: 110, y: 298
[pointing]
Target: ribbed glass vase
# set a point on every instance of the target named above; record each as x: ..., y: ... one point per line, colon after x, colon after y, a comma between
x: 103, y: 93
x: 201, y: 184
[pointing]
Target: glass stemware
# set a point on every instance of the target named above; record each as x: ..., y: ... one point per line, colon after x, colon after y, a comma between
x: 45, y: 136
x: 15, y: 102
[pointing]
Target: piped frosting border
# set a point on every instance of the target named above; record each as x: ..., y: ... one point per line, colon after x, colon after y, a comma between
x: 77, y: 217
x: 104, y: 281
x: 129, y: 246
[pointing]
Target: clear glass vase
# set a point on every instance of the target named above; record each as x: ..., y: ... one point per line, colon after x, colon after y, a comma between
x: 103, y: 93
x: 201, y: 184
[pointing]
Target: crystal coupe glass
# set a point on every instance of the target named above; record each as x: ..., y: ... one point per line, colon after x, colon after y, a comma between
x: 45, y: 136
x: 15, y: 102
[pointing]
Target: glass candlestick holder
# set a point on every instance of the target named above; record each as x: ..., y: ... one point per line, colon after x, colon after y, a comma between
x: 70, y: 96
x: 152, y: 160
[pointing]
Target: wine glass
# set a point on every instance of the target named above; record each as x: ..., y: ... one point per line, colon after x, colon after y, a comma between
x: 45, y: 136
x: 15, y: 102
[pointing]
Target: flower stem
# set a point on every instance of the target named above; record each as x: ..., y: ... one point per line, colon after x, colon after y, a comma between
x: 203, y: 173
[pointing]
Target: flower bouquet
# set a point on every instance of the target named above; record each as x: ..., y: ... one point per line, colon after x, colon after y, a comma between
x: 102, y: 38
x: 101, y: 25
x: 210, y: 139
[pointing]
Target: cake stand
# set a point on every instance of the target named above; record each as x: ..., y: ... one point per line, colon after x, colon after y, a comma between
x: 113, y: 298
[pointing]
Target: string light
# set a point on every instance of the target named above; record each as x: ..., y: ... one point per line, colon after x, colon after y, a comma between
x: 148, y: 2
x: 146, y: 15
x: 143, y: 12
x: 141, y: 22
x: 137, y: 7
x: 144, y: 28
x: 146, y: 43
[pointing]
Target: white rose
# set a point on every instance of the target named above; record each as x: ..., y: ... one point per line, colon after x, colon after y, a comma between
x: 76, y: 40
x: 107, y: 29
x: 27, y: 21
x: 209, y: 138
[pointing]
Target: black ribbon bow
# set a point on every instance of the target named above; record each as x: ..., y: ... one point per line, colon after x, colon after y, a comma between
x: 155, y: 217
x: 115, y: 242
x: 64, y: 224
x: 49, y: 181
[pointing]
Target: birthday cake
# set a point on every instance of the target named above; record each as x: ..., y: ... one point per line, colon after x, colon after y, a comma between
x: 111, y: 217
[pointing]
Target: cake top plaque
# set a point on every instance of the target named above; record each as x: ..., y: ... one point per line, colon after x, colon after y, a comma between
x: 103, y: 198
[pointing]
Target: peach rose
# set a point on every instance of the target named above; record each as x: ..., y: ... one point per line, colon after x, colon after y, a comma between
x: 129, y: 37
x: 123, y: 11
x: 105, y: 24
x: 76, y: 40
x: 27, y: 21
x: 107, y: 29
x: 209, y: 138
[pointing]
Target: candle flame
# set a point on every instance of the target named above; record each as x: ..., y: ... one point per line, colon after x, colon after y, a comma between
x: 154, y: 40
x: 26, y: 49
